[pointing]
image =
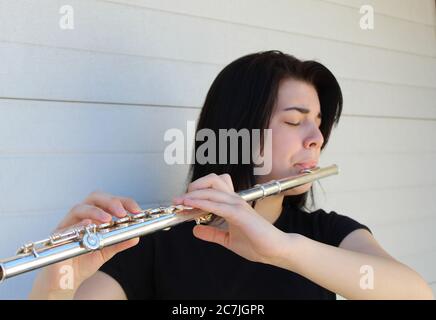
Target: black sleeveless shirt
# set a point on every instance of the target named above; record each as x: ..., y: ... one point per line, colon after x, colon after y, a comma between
x: 175, y: 265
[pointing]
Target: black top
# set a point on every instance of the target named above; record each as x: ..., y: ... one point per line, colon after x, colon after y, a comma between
x: 175, y: 265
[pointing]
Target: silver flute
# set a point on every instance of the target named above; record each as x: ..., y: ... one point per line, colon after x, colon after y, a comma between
x: 84, y: 239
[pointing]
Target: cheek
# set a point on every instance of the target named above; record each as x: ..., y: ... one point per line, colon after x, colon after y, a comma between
x: 281, y: 152
x: 284, y: 146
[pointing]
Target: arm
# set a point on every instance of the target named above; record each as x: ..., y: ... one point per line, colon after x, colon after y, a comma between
x: 337, y: 269
x: 340, y: 269
x: 100, y: 286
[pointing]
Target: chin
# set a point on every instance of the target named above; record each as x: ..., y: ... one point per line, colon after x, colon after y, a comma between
x: 298, y: 190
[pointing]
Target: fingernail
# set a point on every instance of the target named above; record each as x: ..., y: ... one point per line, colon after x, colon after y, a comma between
x: 177, y: 199
x: 105, y: 216
x: 135, y: 210
x: 121, y: 211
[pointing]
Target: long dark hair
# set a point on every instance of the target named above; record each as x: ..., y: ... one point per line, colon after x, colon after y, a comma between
x: 243, y: 95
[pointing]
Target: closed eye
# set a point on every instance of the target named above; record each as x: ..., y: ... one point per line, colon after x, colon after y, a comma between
x: 292, y: 124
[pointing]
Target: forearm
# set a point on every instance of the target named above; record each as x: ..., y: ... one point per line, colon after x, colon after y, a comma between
x: 44, y: 289
x: 339, y: 271
x: 51, y: 295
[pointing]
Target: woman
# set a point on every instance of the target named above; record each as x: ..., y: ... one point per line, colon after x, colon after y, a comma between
x: 268, y: 249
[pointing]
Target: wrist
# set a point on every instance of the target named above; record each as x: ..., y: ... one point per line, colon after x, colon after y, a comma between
x: 290, y: 252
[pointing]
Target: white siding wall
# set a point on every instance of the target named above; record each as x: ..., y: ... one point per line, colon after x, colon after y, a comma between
x: 86, y: 109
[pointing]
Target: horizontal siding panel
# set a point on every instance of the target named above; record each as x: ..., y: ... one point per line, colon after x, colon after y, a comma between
x: 422, y: 11
x: 379, y: 171
x: 407, y: 238
x: 380, y: 207
x: 57, y: 74
x: 40, y: 127
x: 372, y: 135
x: 152, y: 33
x: 311, y: 17
x: 101, y: 26
x: 33, y: 127
x: 18, y: 287
x: 423, y: 263
x: 46, y: 183
x: 47, y: 73
x: 382, y: 99
x: 25, y: 231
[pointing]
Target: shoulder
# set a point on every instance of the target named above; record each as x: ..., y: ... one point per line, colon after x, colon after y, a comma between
x: 345, y: 232
x: 333, y: 227
x: 333, y: 219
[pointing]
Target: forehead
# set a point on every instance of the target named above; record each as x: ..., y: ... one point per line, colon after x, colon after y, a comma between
x: 296, y: 92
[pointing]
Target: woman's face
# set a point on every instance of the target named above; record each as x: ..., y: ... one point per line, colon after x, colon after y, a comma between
x: 296, y: 137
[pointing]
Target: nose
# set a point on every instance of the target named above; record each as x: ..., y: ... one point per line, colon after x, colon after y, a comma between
x: 314, y: 139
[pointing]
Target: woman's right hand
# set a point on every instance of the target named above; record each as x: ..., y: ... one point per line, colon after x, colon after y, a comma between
x: 62, y: 279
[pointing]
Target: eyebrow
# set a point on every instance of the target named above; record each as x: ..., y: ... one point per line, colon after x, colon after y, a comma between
x: 300, y: 109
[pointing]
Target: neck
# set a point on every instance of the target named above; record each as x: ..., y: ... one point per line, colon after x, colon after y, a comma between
x: 270, y: 207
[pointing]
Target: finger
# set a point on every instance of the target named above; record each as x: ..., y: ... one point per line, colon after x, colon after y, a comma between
x: 210, y: 194
x: 211, y: 234
x: 84, y: 211
x: 83, y: 222
x: 130, y: 205
x: 210, y: 181
x: 228, y: 180
x: 107, y: 202
x: 109, y: 252
x: 224, y: 210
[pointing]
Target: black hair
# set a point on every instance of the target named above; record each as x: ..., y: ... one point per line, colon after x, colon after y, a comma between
x: 243, y: 95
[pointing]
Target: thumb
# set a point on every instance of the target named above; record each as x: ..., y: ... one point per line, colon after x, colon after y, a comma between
x: 110, y: 251
x: 211, y: 234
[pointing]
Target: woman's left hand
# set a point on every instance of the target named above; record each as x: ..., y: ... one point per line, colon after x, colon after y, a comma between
x: 249, y: 234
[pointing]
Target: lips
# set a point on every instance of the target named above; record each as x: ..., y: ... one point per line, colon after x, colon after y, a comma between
x: 306, y: 165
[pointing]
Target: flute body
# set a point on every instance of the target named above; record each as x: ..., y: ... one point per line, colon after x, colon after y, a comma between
x: 85, y: 239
